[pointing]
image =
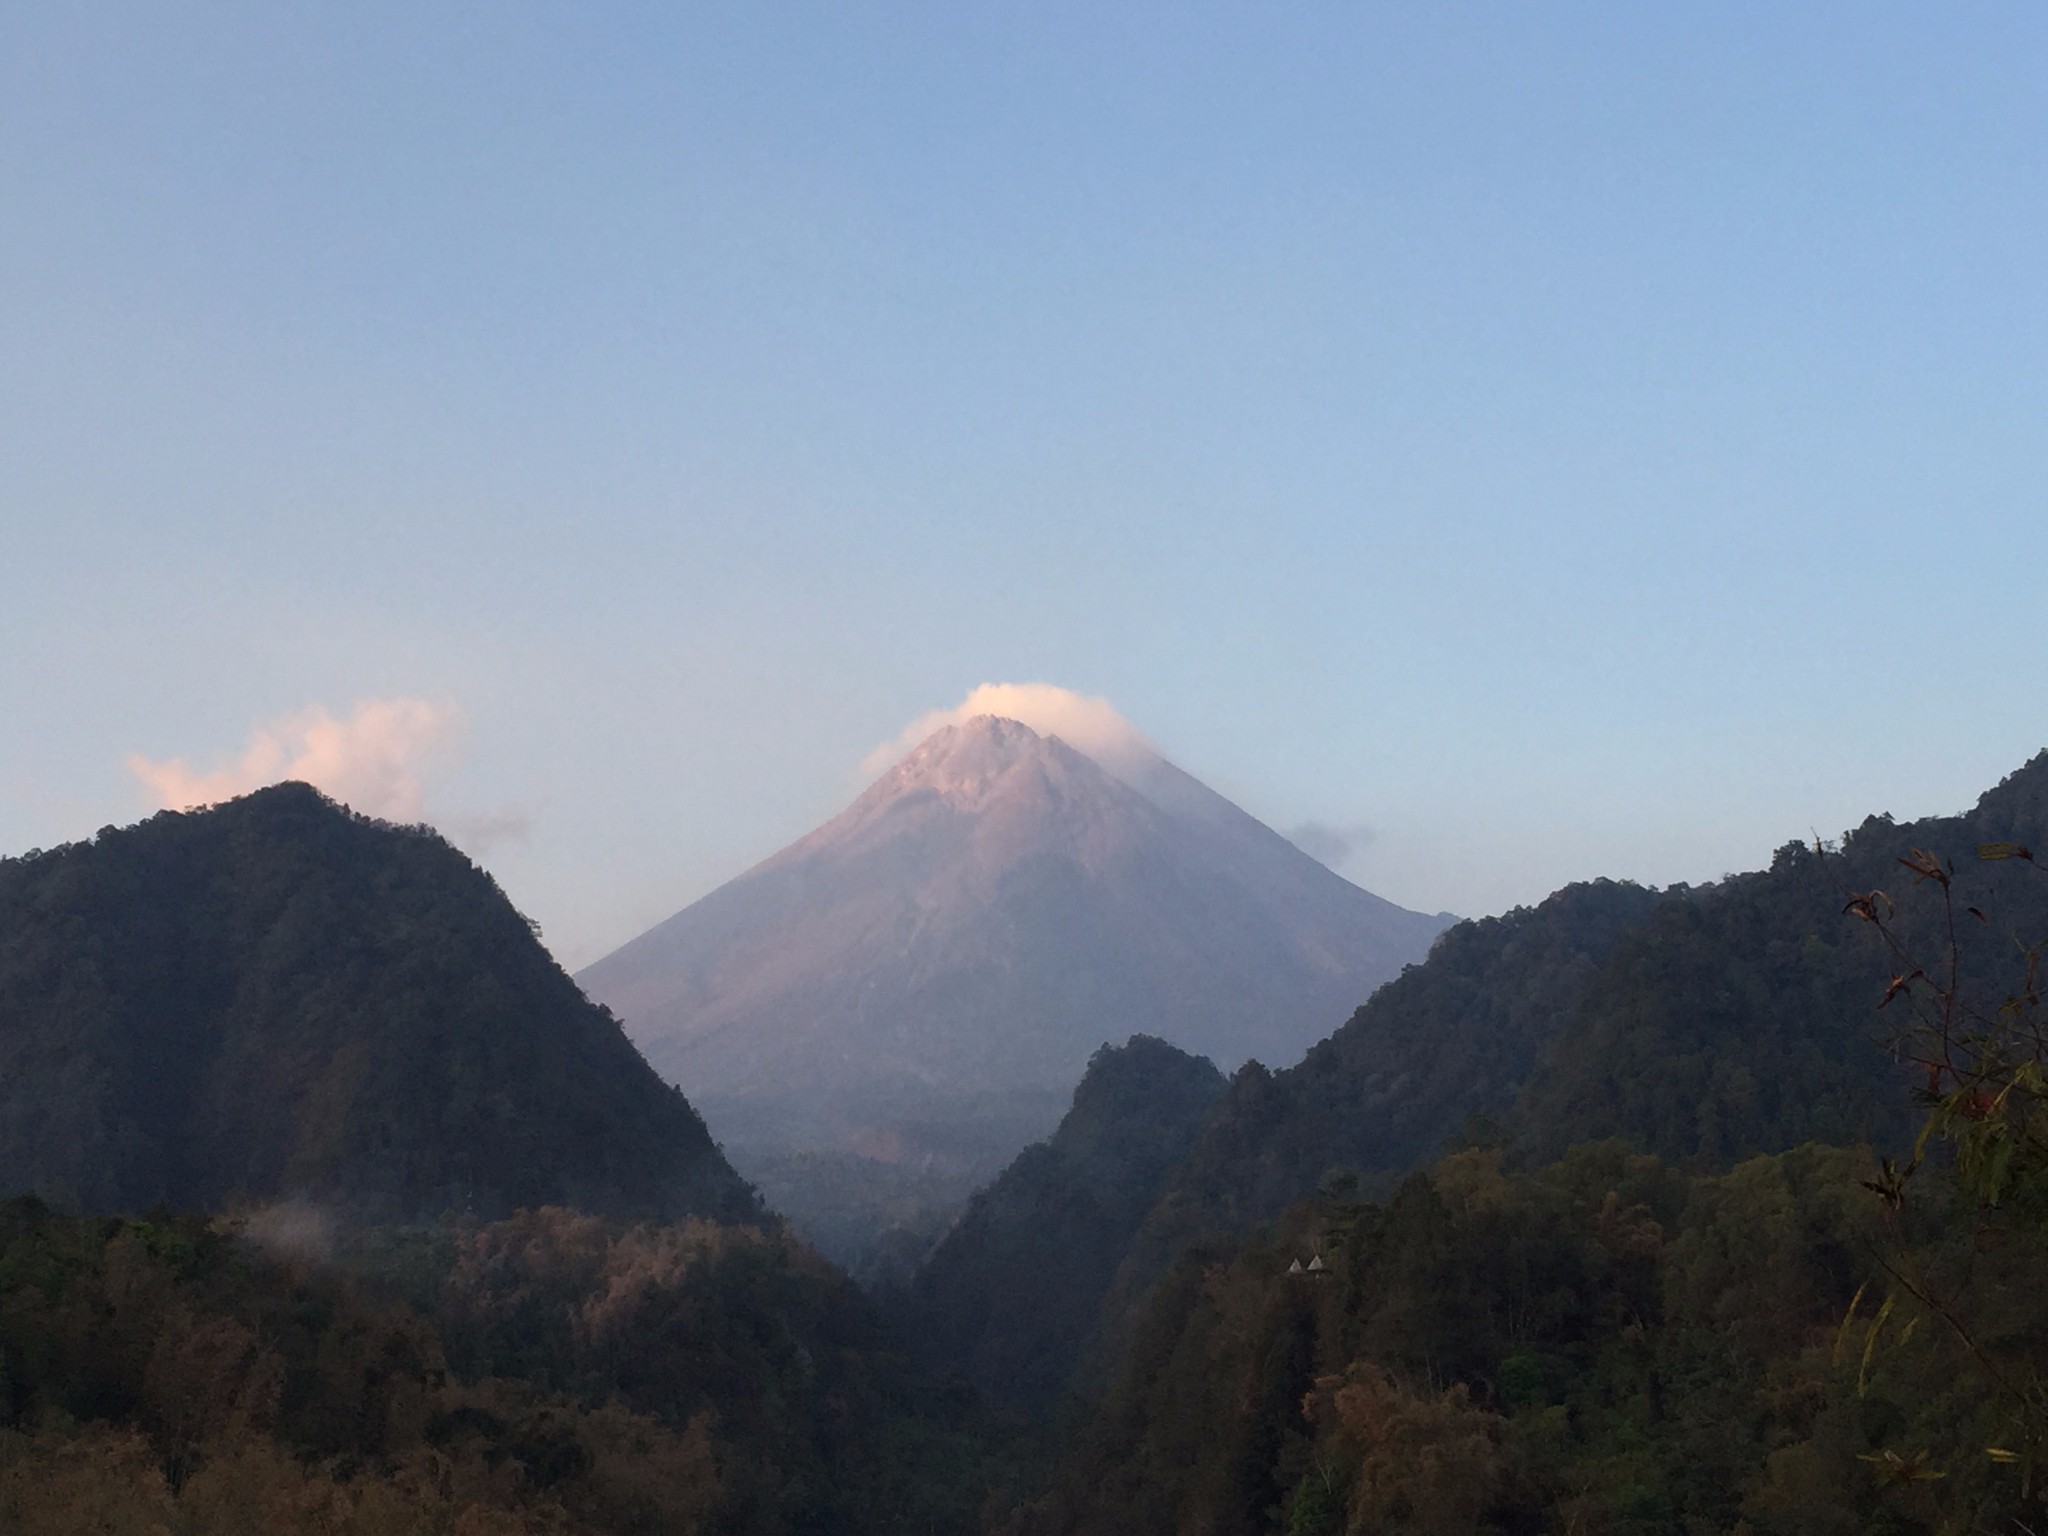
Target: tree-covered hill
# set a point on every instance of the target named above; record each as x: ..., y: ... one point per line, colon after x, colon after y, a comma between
x: 1449, y: 1039
x: 278, y: 997
x: 1702, y: 1024
x: 1009, y: 1298
x: 1744, y: 1019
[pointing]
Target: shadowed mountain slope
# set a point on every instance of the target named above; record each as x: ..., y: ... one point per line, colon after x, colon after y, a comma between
x: 278, y: 997
x: 1010, y: 1297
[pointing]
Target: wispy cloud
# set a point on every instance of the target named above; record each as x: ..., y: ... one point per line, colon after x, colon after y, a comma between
x: 373, y: 761
x: 1329, y: 844
x: 295, y: 1231
x: 1086, y: 723
x: 483, y: 832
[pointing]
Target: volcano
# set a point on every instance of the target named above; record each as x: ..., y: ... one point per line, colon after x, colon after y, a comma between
x: 925, y: 977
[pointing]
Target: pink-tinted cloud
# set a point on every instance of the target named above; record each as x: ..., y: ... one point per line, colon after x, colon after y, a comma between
x: 1088, y: 724
x: 372, y: 761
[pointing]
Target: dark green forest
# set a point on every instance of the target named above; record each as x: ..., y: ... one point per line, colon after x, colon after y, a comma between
x: 1600, y: 1344
x: 1753, y: 1246
x: 1703, y: 1024
x: 278, y: 998
x: 1711, y: 1210
x: 557, y: 1371
x: 1010, y: 1298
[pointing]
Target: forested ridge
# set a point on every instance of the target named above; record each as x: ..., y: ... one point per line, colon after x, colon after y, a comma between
x: 1012, y: 1295
x: 275, y: 997
x: 1704, y: 1024
x: 1713, y: 1210
x: 1697, y: 1273
x: 1742, y: 1018
x: 1453, y: 1038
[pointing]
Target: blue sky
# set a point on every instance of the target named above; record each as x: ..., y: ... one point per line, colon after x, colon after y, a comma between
x: 1566, y: 440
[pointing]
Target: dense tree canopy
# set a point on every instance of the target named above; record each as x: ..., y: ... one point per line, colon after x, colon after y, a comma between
x: 276, y: 997
x: 1743, y: 1018
x: 1704, y: 1024
x: 1604, y: 1344
x: 557, y: 1372
x: 1010, y: 1297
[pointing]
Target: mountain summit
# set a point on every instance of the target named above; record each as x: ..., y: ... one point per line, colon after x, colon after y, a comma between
x: 926, y: 976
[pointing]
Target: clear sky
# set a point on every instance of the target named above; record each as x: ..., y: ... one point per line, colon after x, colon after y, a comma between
x: 1544, y: 440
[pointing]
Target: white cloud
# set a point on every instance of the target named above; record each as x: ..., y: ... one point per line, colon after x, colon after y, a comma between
x: 372, y: 761
x: 1084, y: 722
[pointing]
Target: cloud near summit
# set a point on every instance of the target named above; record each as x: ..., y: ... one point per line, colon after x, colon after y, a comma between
x: 372, y: 761
x: 1083, y: 721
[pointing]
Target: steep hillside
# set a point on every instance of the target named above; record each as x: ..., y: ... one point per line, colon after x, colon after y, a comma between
x: 1744, y: 1020
x: 277, y: 997
x: 1011, y: 1294
x: 1703, y: 1025
x: 1450, y: 1039
x: 1610, y: 1340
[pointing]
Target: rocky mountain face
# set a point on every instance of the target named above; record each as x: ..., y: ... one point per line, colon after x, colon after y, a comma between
x: 276, y: 997
x: 920, y: 982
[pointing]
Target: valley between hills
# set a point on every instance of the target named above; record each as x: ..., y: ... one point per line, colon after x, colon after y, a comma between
x: 1042, y: 1147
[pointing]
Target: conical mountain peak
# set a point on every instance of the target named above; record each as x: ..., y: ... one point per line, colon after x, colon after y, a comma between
x: 992, y: 771
x: 930, y: 971
x: 963, y: 759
